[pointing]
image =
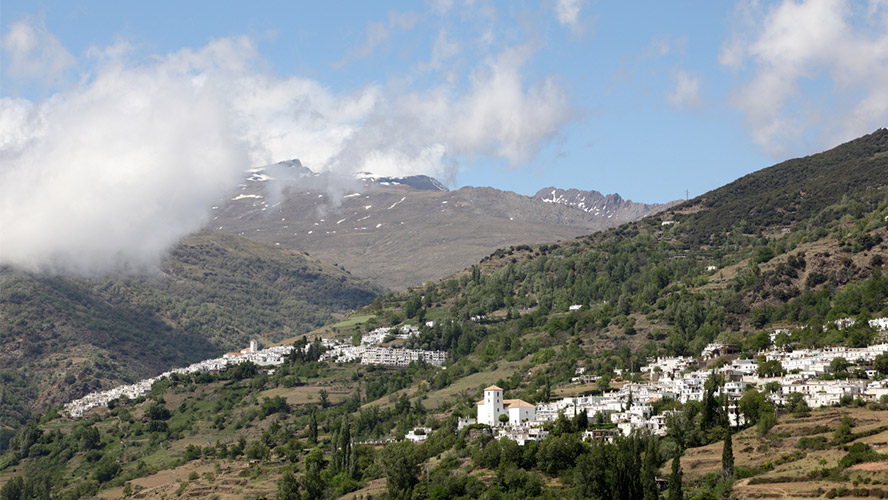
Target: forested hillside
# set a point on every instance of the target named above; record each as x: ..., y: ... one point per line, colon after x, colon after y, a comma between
x: 61, y: 338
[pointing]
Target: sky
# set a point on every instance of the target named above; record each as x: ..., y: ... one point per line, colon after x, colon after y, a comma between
x: 152, y: 109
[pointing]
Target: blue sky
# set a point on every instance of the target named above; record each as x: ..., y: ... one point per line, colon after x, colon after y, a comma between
x: 647, y: 99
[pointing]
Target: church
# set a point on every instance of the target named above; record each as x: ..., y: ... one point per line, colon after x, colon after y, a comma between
x: 493, y: 405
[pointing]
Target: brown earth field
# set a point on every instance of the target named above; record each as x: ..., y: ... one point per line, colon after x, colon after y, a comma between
x: 791, y: 472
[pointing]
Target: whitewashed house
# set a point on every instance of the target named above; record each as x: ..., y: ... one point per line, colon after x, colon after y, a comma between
x: 493, y: 405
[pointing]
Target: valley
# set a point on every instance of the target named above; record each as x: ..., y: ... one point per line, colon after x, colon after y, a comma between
x: 740, y: 333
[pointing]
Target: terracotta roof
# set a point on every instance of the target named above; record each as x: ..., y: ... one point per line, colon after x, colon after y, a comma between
x: 516, y: 402
x: 480, y: 402
x: 493, y: 388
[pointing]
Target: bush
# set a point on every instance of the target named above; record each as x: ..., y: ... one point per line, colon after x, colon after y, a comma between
x: 859, y: 453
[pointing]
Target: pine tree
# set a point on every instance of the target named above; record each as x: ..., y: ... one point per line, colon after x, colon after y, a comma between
x: 288, y: 487
x: 727, y: 457
x: 675, y: 492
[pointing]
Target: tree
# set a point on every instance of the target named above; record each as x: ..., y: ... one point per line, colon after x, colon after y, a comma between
x: 591, y: 479
x: 881, y: 363
x: 796, y: 403
x: 581, y: 421
x: 727, y: 457
x: 710, y: 414
x: 324, y: 397
x: 562, y: 425
x: 400, y: 461
x: 838, y: 365
x: 767, y: 418
x: 158, y: 411
x: 751, y: 404
x: 503, y: 418
x: 14, y: 489
x: 675, y: 492
x: 843, y: 433
x: 602, y: 384
x: 342, y: 445
x: 288, y: 487
x: 771, y: 368
x: 312, y: 482
x: 313, y: 428
x: 649, y: 471
x: 255, y: 450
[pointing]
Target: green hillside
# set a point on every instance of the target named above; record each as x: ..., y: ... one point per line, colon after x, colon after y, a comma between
x: 61, y: 338
x: 313, y: 429
x: 790, y: 192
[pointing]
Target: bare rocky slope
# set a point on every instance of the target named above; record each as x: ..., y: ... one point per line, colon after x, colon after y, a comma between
x: 402, y: 232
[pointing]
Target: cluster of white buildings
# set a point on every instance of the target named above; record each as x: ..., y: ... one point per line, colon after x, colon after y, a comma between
x: 264, y: 357
x: 630, y: 408
x: 369, y: 352
x: 879, y: 324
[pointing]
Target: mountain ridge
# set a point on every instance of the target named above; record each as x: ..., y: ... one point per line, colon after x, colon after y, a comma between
x: 368, y: 223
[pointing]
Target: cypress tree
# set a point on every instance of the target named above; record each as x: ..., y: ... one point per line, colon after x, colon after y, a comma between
x: 313, y: 428
x: 728, y: 457
x: 342, y: 447
x: 649, y: 471
x: 675, y: 492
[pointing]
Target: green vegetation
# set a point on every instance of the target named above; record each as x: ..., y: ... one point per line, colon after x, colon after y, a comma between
x: 313, y: 430
x: 65, y: 337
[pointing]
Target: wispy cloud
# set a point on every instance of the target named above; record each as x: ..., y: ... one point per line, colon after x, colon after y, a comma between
x: 376, y: 34
x: 568, y: 14
x: 686, y: 90
x: 444, y: 49
x: 31, y: 52
x: 814, y: 70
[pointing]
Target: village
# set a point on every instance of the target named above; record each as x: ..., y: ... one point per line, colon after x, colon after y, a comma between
x: 628, y: 408
x: 368, y: 353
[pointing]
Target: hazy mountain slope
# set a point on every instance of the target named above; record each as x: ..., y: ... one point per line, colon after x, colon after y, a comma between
x: 400, y: 232
x: 61, y: 337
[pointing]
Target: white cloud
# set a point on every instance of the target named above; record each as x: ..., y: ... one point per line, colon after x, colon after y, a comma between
x: 817, y: 70
x: 568, y: 14
x: 33, y: 53
x: 110, y: 173
x: 568, y: 11
x: 686, y: 93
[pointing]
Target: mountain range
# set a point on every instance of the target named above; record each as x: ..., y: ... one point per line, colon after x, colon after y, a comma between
x: 402, y: 232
